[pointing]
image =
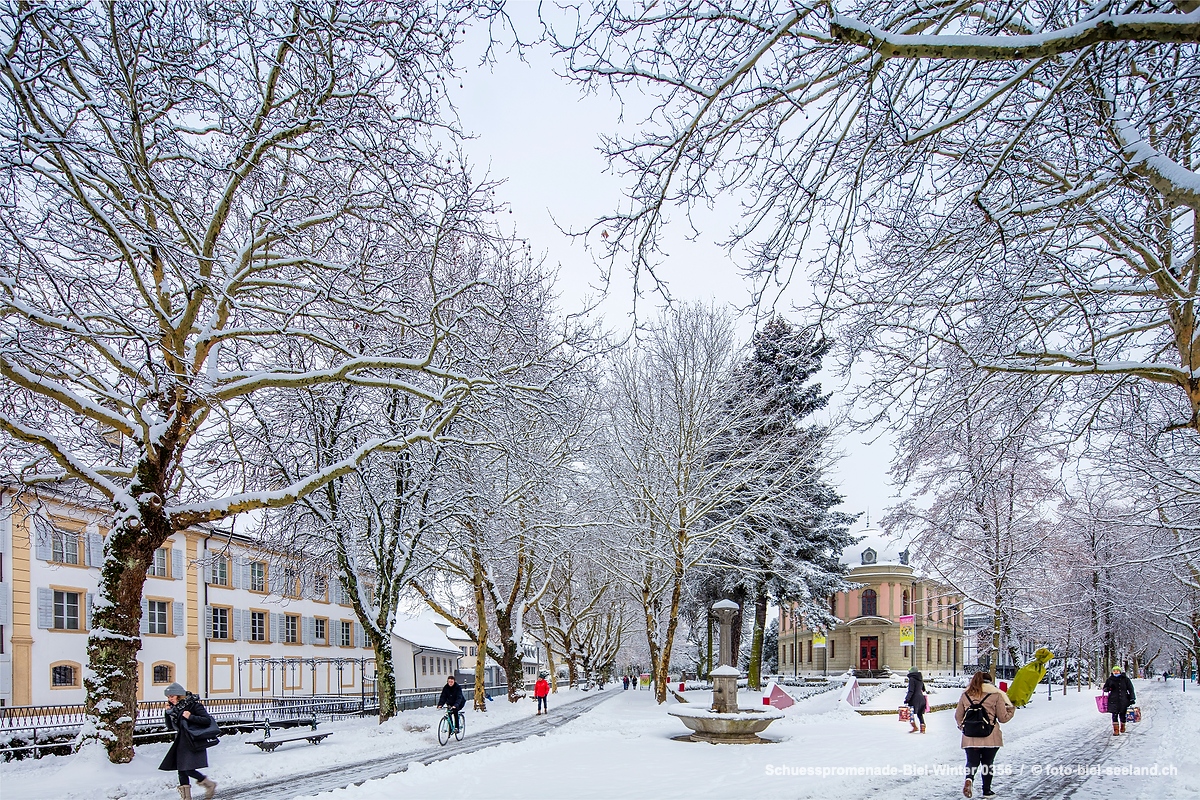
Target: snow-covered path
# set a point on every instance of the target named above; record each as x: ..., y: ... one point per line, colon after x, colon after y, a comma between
x: 623, y: 747
x: 824, y: 750
x: 343, y: 775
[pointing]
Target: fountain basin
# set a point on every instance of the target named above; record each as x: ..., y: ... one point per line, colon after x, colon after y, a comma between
x: 734, y: 727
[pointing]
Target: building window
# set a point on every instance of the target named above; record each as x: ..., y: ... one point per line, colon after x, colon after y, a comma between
x: 464, y: 649
x: 162, y: 673
x: 810, y: 649
x: 473, y: 650
x: 64, y: 676
x: 218, y: 571
x: 320, y: 587
x: 220, y: 623
x: 66, y: 611
x: 833, y: 605
x: 156, y: 617
x: 258, y: 576
x: 832, y: 649
x: 291, y: 624
x: 347, y: 638
x: 904, y: 603
x: 258, y: 626
x: 158, y: 564
x: 423, y: 670
x: 319, y: 630
x: 291, y: 583
x: 939, y: 651
x: 928, y: 648
x: 64, y: 547
x: 870, y: 603
x: 941, y: 607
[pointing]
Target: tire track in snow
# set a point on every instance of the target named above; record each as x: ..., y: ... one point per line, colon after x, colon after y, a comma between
x: 338, y: 777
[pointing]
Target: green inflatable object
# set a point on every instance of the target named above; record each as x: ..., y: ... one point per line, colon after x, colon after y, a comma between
x: 1028, y: 677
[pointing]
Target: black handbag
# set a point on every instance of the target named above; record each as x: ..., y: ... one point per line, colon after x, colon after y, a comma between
x: 200, y: 738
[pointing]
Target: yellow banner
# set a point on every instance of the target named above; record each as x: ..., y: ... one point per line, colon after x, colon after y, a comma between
x: 906, y: 630
x: 818, y: 640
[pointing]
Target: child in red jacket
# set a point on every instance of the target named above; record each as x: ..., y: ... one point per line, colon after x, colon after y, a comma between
x: 540, y: 690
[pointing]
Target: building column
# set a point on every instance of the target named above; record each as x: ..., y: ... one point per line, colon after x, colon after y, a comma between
x: 22, y: 593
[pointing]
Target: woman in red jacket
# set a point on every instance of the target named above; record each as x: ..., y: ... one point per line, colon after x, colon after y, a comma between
x: 541, y: 690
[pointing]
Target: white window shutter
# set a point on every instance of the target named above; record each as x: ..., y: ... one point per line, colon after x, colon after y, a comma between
x: 45, y: 611
x: 42, y: 545
x: 177, y: 626
x: 144, y: 624
x: 3, y: 605
x: 276, y: 627
x: 207, y: 570
x: 208, y: 631
x: 239, y: 625
x: 177, y: 564
x: 87, y: 611
x: 235, y: 572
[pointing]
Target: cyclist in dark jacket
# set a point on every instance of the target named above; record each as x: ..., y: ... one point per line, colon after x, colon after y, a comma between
x: 452, y: 696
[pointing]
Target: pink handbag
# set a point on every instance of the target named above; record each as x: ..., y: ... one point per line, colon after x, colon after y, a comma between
x: 1102, y: 703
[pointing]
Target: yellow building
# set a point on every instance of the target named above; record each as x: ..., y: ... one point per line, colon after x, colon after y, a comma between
x: 220, y: 615
x: 867, y: 637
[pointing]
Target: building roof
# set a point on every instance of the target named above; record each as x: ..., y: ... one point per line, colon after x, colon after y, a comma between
x: 886, y: 549
x: 423, y: 633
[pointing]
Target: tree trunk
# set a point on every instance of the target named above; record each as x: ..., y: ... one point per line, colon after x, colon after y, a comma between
x: 481, y: 638
x: 510, y: 657
x: 756, y: 645
x: 385, y: 674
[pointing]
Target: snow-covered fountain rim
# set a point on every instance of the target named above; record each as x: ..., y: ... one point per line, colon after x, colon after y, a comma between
x: 700, y: 712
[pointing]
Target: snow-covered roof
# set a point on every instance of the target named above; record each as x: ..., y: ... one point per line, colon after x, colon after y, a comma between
x: 884, y: 549
x: 422, y: 632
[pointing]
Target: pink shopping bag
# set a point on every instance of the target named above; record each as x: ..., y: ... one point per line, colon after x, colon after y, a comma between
x: 905, y: 713
x: 1102, y: 703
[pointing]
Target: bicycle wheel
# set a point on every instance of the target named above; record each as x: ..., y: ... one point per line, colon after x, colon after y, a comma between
x: 444, y: 731
x: 461, y: 730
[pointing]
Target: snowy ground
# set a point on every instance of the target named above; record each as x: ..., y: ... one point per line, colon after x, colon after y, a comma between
x: 624, y: 748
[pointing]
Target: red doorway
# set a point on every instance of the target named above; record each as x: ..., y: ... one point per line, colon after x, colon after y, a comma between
x: 868, y: 652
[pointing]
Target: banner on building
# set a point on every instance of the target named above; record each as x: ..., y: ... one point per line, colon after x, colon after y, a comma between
x: 818, y: 639
x: 906, y: 630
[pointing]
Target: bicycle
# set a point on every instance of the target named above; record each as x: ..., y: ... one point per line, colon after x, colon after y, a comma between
x: 447, y: 727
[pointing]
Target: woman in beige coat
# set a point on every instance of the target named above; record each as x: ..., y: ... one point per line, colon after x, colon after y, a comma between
x: 981, y: 750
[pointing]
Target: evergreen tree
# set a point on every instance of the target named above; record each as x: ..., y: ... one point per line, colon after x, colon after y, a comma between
x: 786, y: 549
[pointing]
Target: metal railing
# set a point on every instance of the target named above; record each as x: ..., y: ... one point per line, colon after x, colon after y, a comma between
x: 51, y: 729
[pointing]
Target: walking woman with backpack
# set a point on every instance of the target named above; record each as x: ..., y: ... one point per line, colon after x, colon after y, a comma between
x: 980, y: 711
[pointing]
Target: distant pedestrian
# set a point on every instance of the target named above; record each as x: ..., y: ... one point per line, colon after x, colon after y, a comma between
x: 541, y: 691
x: 1120, y: 698
x: 915, y: 699
x: 980, y: 711
x: 184, y: 713
x: 625, y: 683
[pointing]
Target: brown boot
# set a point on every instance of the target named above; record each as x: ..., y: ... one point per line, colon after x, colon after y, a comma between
x: 185, y: 792
x: 1116, y: 729
x: 210, y: 788
x: 1122, y: 727
x: 914, y: 726
x: 922, y: 727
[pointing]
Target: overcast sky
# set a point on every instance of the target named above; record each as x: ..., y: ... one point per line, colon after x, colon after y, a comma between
x: 537, y: 133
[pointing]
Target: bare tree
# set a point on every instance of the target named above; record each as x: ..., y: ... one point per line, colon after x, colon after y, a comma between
x: 192, y: 192
x: 1029, y: 167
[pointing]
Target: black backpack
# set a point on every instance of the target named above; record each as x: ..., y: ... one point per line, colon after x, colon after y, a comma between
x: 976, y: 723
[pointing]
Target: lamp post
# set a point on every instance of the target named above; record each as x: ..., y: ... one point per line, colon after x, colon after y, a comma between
x: 954, y: 607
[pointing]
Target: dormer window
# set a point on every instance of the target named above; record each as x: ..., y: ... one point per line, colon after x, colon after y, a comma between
x: 868, y: 556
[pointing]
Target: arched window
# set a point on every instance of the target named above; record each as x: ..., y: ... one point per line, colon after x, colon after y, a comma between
x: 869, y: 603
x: 904, y: 603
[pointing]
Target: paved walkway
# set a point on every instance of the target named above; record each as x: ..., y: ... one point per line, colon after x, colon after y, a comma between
x: 330, y: 778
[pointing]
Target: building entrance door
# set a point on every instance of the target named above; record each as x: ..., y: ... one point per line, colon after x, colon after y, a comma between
x: 868, y: 652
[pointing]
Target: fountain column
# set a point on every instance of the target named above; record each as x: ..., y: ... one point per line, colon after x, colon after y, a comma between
x: 725, y: 676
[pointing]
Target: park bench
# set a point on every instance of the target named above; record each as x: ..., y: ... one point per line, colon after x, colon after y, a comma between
x: 271, y: 740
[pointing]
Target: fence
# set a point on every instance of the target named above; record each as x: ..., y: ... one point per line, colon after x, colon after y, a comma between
x: 50, y: 729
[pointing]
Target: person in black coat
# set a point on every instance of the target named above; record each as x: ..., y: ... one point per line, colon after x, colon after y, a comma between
x: 185, y: 709
x: 452, y: 695
x: 915, y: 699
x: 1120, y: 697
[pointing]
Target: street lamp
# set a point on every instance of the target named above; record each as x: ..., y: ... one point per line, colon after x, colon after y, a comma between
x: 954, y: 607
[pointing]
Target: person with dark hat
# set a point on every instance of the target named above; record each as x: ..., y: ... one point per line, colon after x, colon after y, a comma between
x: 183, y: 710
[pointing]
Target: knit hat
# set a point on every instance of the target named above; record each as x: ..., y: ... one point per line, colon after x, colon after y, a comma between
x: 174, y: 689
x: 913, y: 668
x: 1116, y: 670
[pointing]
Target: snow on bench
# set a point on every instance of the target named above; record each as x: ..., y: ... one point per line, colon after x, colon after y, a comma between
x: 269, y: 742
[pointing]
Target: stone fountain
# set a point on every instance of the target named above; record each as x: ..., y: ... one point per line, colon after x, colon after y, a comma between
x: 724, y: 722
